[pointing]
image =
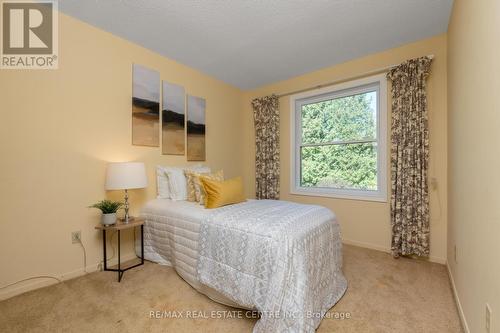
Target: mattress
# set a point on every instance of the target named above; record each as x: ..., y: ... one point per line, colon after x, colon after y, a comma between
x: 171, y: 232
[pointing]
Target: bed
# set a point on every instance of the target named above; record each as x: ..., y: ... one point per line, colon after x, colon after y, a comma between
x: 283, y: 259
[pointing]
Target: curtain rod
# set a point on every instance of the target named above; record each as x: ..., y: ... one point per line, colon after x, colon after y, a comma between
x: 359, y: 76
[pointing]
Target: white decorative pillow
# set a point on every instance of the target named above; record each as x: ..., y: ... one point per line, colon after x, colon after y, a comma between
x: 162, y: 184
x: 178, y: 183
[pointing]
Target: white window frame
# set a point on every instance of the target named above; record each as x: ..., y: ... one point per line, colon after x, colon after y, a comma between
x: 340, y: 90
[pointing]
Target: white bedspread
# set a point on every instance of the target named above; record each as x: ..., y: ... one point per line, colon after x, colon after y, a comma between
x: 282, y: 258
x: 171, y: 234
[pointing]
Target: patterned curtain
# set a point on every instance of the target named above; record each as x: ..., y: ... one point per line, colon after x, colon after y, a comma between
x: 410, y: 158
x: 267, y: 147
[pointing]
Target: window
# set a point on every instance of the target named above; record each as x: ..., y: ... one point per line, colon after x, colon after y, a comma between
x: 340, y: 141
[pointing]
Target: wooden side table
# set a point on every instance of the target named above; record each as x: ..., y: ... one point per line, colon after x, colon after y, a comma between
x: 119, y: 226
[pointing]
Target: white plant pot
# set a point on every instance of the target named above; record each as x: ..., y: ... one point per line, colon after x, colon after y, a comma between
x: 108, y: 219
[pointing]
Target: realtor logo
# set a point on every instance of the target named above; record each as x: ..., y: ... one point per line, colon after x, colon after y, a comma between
x: 29, y: 35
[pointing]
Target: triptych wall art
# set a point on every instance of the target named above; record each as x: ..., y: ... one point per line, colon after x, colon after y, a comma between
x: 196, y: 128
x: 173, y: 141
x: 145, y: 107
x: 175, y: 125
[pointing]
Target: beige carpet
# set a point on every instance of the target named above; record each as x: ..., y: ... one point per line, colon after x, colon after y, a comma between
x: 384, y: 295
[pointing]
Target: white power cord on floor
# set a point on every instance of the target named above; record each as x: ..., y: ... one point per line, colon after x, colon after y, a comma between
x: 33, y: 278
x: 53, y: 277
x: 60, y: 280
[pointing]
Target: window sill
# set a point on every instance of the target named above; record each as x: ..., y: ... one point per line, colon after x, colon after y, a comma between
x: 340, y: 194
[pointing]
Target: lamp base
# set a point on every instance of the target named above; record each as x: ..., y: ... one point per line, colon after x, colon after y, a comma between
x: 124, y: 220
x: 127, y: 217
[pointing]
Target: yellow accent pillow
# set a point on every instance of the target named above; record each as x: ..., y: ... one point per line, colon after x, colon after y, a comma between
x: 199, y: 190
x: 195, y: 192
x: 221, y: 193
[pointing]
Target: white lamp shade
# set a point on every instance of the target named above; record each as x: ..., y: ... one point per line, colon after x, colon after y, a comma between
x: 126, y: 176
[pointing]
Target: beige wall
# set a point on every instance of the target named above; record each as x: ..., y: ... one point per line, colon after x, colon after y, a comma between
x: 474, y: 163
x: 58, y: 129
x: 366, y: 223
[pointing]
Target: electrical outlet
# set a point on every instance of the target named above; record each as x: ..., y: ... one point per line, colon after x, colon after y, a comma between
x: 488, y: 318
x: 434, y: 183
x: 76, y: 237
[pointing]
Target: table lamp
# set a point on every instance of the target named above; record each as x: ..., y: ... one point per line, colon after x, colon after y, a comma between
x: 126, y: 176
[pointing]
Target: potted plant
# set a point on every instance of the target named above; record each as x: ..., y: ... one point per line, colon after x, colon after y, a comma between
x: 108, y: 209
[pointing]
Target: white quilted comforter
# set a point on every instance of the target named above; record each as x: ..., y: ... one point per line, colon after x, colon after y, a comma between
x: 282, y: 258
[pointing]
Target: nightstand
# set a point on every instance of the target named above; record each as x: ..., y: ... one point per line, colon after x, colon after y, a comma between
x: 119, y: 226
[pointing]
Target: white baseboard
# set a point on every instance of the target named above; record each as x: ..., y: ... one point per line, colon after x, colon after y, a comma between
x: 366, y: 245
x: 437, y: 260
x: 457, y: 301
x: 44, y: 282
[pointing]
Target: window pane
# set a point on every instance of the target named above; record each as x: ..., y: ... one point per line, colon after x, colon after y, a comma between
x: 340, y: 119
x: 346, y: 166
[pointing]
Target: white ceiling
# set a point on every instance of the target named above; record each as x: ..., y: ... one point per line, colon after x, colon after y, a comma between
x: 249, y: 43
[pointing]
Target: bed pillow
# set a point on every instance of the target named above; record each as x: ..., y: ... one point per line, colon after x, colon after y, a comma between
x: 162, y: 186
x: 177, y: 180
x: 191, y: 174
x: 222, y: 193
x: 198, y: 168
x: 177, y: 184
x: 199, y: 191
x: 191, y: 195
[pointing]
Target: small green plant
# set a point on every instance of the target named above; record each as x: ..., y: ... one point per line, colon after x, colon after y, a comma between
x: 107, y: 206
